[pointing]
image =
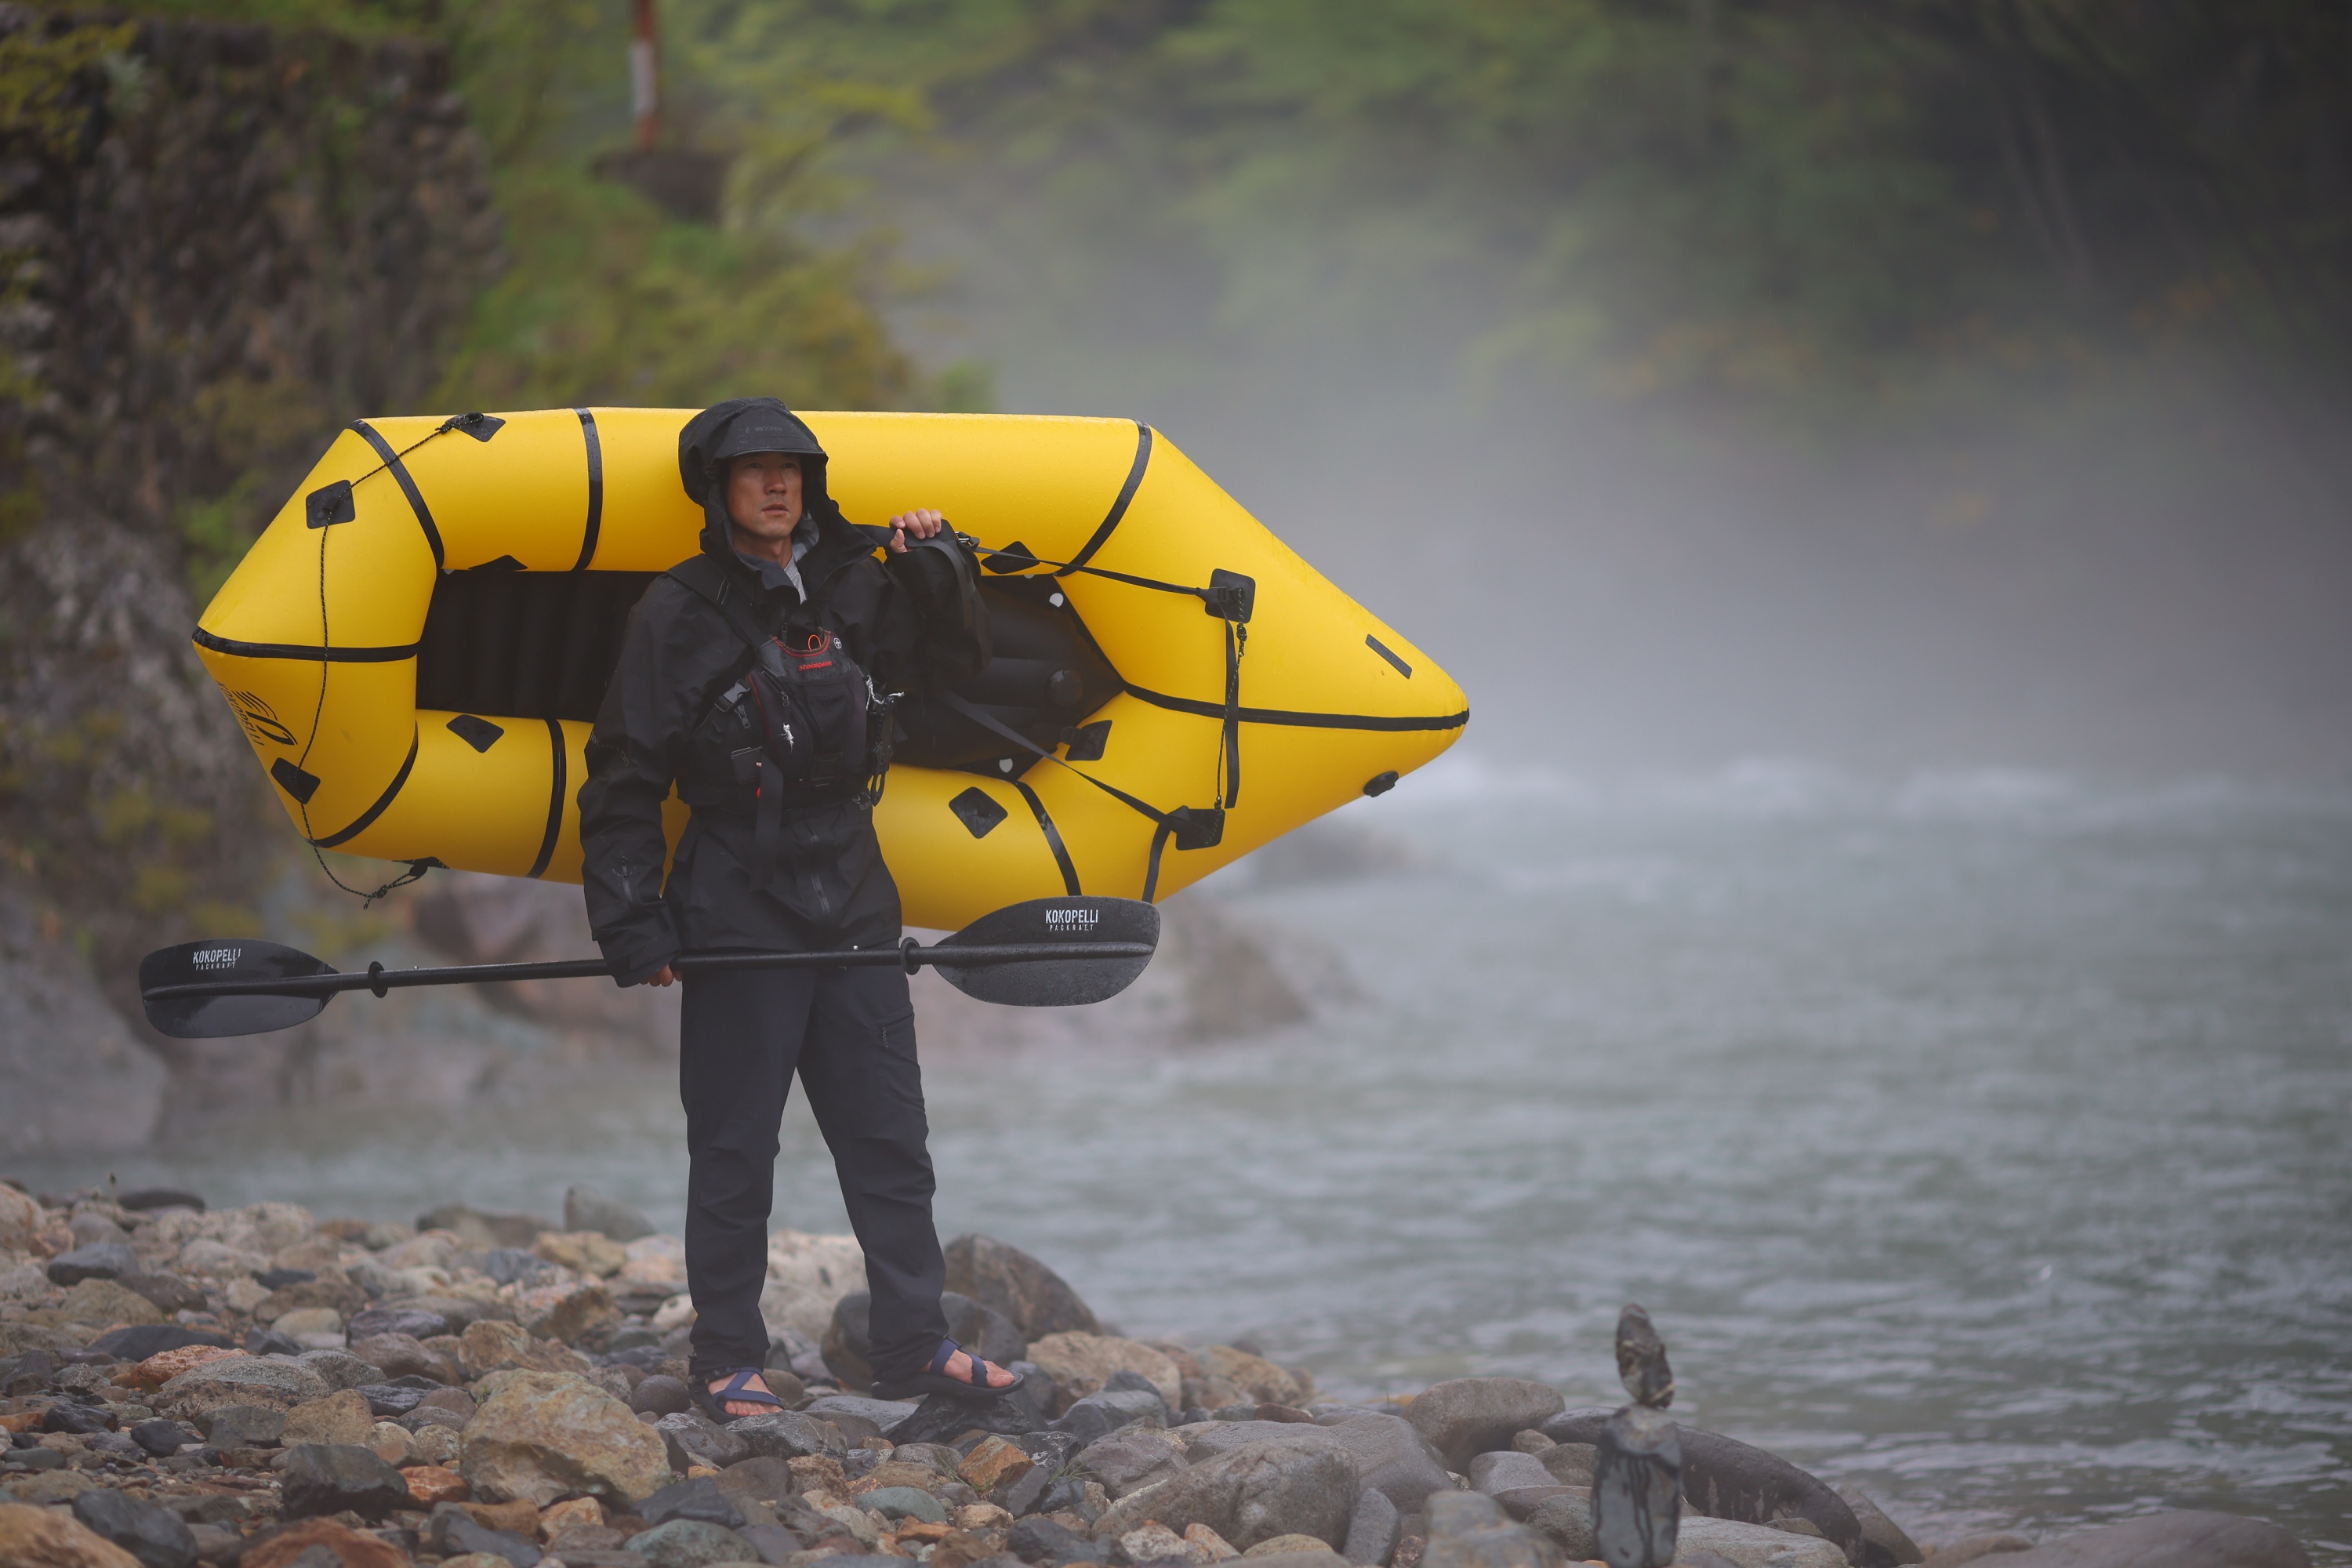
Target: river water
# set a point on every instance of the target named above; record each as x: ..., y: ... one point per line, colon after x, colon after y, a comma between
x: 1978, y: 1138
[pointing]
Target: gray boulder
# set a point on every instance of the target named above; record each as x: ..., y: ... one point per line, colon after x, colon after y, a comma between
x: 339, y: 1369
x: 1254, y: 1493
x: 1387, y: 1453
x: 690, y: 1544
x: 701, y: 1498
x: 241, y: 1425
x: 1468, y: 1529
x: 453, y: 1532
x: 1470, y: 1416
x: 1005, y: 1280
x: 1130, y: 1460
x: 151, y: 1532
x: 849, y: 1352
x: 1566, y: 1520
x: 1372, y: 1529
x: 585, y: 1208
x: 1571, y: 1464
x: 1505, y: 1469
x: 788, y: 1435
x: 2183, y: 1537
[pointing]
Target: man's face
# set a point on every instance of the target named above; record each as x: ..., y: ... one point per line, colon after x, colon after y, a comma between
x: 763, y: 494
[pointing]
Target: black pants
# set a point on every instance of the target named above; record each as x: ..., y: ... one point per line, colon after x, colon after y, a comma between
x: 850, y: 1033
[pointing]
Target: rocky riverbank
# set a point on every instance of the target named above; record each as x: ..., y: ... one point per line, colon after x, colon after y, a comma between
x: 257, y: 1388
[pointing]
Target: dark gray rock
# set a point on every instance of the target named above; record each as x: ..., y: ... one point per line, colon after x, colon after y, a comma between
x: 940, y: 1417
x: 1641, y: 1364
x: 1983, y: 1543
x: 701, y: 1441
x: 1099, y: 1414
x: 691, y: 1543
x: 2183, y: 1537
x: 774, y: 1543
x: 146, y: 1200
x: 787, y: 1434
x: 1033, y: 1297
x: 36, y: 1458
x: 452, y: 1532
x: 1569, y: 1464
x: 1388, y: 1452
x: 880, y: 1413
x: 659, y: 1396
x: 101, y: 1260
x: 1725, y: 1478
x: 904, y: 1502
x: 1470, y: 1416
x: 1048, y: 1543
x: 508, y: 1265
x: 169, y: 1292
x: 1880, y: 1531
x: 1253, y: 1494
x: 269, y: 1342
x: 585, y: 1208
x: 154, y: 1534
x: 327, y: 1478
x: 77, y: 1419
x: 161, y: 1437
x: 339, y: 1369
x: 702, y: 1498
x: 1372, y: 1529
x: 386, y: 1400
x: 141, y: 1341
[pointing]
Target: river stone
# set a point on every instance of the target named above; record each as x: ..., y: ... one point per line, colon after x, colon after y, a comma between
x: 585, y: 1208
x: 700, y: 1497
x: 1752, y: 1545
x: 1082, y: 1363
x: 540, y: 1435
x: 342, y: 1418
x: 338, y: 1369
x: 1569, y: 1464
x: 1130, y: 1460
x: 481, y: 1228
x: 1566, y: 1518
x: 848, y: 1352
x: 101, y: 1260
x: 404, y: 1355
x: 1880, y: 1531
x: 904, y: 1502
x: 939, y: 1418
x: 1259, y: 1381
x: 241, y: 1425
x: 701, y: 1441
x: 1468, y: 1529
x: 1389, y: 1453
x: 2182, y: 1538
x: 102, y: 1302
x: 1725, y: 1478
x: 1469, y: 1416
x: 690, y: 1544
x: 453, y: 1532
x: 788, y: 1435
x: 1984, y: 1544
x: 151, y: 1532
x: 1505, y: 1469
x: 327, y: 1478
x: 1005, y: 1280
x: 416, y: 1324
x: 1254, y: 1493
x: 51, y: 1538
x: 882, y: 1414
x: 243, y: 1380
x: 1372, y: 1528
x: 1099, y: 1414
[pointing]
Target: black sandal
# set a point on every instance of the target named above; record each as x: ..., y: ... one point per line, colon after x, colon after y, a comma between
x: 737, y: 1391
x: 936, y: 1379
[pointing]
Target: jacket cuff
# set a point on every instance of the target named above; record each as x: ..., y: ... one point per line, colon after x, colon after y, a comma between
x: 638, y: 955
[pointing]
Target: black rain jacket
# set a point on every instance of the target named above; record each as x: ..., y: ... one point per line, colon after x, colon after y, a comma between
x: 830, y: 888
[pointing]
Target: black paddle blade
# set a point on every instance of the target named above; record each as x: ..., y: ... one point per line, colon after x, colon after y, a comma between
x: 238, y: 960
x: 1053, y: 982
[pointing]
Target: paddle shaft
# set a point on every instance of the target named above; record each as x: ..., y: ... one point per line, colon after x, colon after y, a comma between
x: 909, y: 954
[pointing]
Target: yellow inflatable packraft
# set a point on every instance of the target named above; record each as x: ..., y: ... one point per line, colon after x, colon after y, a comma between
x: 417, y: 644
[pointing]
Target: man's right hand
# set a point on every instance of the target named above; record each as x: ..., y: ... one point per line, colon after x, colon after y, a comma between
x: 664, y: 975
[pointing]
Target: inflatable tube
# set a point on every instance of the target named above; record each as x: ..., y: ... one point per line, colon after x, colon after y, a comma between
x: 417, y: 644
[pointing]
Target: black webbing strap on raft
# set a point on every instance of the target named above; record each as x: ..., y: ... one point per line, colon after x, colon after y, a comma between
x: 1230, y: 597
x: 1192, y: 828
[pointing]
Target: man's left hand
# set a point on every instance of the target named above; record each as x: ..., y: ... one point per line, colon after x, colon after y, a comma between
x: 922, y: 524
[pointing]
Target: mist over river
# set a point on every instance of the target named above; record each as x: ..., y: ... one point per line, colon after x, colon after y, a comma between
x: 1978, y: 1138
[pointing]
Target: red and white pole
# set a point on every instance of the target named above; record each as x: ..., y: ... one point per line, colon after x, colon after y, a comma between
x: 644, y: 76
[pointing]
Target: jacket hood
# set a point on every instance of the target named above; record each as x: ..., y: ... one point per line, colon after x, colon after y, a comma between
x: 732, y: 428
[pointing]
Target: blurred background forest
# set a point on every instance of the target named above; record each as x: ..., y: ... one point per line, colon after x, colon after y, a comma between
x: 1897, y: 385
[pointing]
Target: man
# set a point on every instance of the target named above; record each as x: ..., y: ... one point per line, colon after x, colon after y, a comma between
x: 778, y: 854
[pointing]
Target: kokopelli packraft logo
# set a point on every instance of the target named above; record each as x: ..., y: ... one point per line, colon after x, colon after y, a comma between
x: 210, y: 958
x: 1069, y: 920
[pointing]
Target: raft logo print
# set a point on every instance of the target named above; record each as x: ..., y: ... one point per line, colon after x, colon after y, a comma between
x: 260, y: 719
x: 1073, y: 920
x: 212, y: 958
